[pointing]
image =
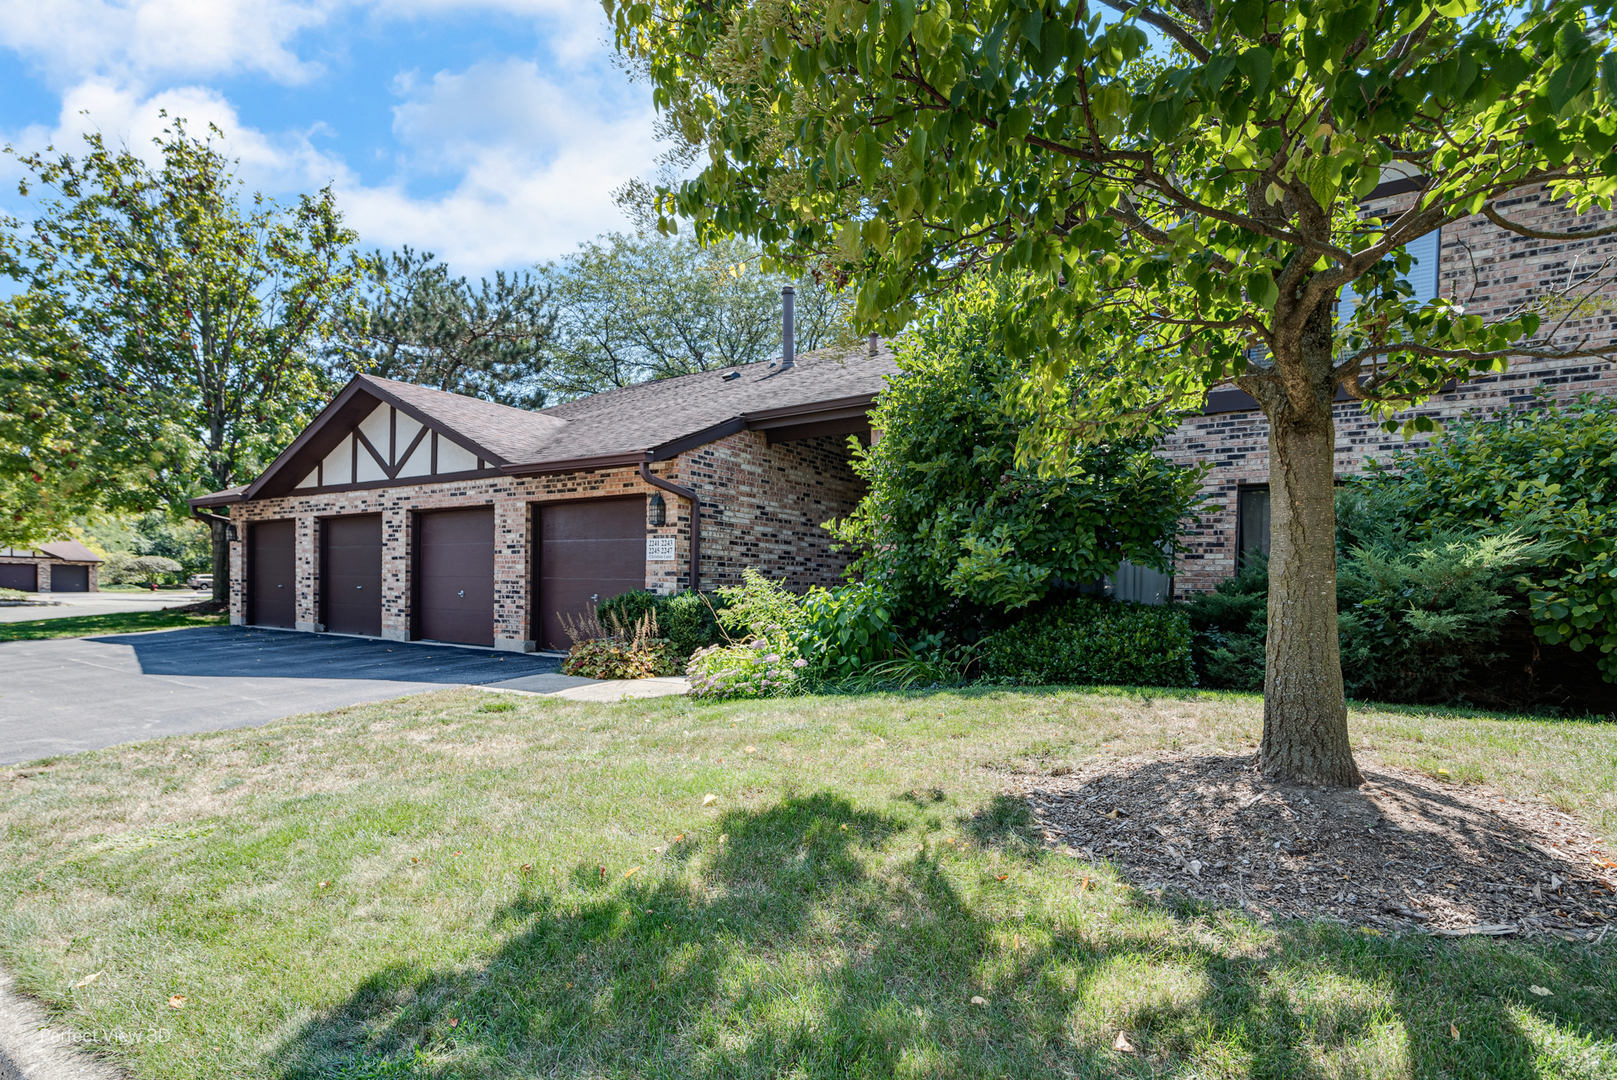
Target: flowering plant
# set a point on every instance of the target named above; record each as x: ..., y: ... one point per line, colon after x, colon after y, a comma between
x: 759, y: 668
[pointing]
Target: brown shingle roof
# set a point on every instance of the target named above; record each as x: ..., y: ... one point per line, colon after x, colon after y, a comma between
x: 632, y: 420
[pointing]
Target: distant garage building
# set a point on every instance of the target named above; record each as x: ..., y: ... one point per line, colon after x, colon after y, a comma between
x: 64, y: 566
x: 413, y: 514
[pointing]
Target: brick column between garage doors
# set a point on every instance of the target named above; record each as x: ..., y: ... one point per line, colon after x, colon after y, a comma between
x: 398, y: 540
x: 513, y: 574
x: 307, y: 553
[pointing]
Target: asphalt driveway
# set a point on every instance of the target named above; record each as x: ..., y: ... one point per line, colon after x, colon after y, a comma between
x: 71, y: 694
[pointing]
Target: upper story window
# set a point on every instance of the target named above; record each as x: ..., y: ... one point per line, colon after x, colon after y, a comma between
x: 1425, y: 254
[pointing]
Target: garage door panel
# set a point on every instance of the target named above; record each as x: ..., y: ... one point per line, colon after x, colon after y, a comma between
x: 272, y: 570
x: 22, y: 576
x: 70, y: 579
x: 351, y: 574
x: 588, y: 552
x: 455, y: 576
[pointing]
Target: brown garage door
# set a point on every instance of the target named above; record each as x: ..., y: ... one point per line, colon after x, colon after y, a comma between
x: 351, y: 574
x: 70, y: 579
x: 455, y: 576
x: 588, y: 552
x: 271, y: 569
x: 19, y: 576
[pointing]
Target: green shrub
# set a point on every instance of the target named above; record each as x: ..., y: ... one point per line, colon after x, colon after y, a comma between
x: 1548, y: 472
x: 847, y: 630
x: 1420, y: 617
x: 13, y: 594
x: 1230, y: 625
x: 685, y: 619
x: 605, y: 658
x: 1089, y: 640
x: 760, y: 608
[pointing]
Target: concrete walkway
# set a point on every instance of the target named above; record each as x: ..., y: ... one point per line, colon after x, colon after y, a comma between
x: 577, y: 688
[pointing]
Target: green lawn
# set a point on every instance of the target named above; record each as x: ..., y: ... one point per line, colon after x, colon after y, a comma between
x: 470, y: 885
x: 129, y: 622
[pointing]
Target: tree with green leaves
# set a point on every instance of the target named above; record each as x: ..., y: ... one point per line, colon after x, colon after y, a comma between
x: 193, y: 316
x: 67, y: 444
x: 411, y: 321
x: 632, y: 308
x: 1180, y: 183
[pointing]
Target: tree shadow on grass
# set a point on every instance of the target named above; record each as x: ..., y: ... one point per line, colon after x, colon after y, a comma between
x: 825, y: 940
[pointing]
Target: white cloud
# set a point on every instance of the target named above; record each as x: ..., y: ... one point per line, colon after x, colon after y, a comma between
x: 538, y: 161
x: 498, y: 165
x: 144, y: 39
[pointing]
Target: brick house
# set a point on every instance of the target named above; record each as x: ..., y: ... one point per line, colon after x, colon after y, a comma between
x: 62, y: 566
x: 1488, y: 269
x: 408, y: 513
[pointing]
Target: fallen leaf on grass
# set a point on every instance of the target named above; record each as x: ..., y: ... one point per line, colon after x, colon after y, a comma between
x: 709, y: 799
x: 978, y: 999
x: 752, y: 749
x: 631, y: 872
x: 177, y: 1001
x: 527, y: 867
x: 724, y: 837
x: 453, y: 1022
x: 1454, y: 1033
x: 323, y: 884
x: 88, y: 979
x: 1122, y: 1044
x: 1002, y: 877
x: 1541, y: 991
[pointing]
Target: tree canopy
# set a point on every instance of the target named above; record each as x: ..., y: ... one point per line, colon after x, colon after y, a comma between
x: 1183, y: 203
x: 632, y: 308
x: 410, y: 320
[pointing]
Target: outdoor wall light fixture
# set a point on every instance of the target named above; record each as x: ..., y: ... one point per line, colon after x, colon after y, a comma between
x: 230, y: 534
x: 657, y: 510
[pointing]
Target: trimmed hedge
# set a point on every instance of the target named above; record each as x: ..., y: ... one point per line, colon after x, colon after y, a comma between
x: 1090, y: 640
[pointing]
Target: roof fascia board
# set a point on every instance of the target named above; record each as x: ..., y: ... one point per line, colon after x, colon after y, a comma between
x: 701, y: 438
x: 305, y: 437
x: 403, y: 481
x: 834, y: 409
x: 599, y: 461
x: 216, y: 499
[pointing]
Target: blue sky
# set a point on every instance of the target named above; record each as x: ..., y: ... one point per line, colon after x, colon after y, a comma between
x: 489, y: 131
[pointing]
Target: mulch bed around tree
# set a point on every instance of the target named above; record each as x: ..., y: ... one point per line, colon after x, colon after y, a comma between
x: 1402, y: 852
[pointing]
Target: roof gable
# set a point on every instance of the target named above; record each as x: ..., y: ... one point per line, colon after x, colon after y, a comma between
x: 371, y: 435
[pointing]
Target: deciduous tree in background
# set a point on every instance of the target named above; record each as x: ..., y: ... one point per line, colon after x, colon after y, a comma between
x: 632, y: 308
x: 194, y: 316
x: 1186, y: 213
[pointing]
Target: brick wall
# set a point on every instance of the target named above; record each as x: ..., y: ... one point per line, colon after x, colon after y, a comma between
x: 767, y: 506
x: 761, y: 506
x: 1490, y: 271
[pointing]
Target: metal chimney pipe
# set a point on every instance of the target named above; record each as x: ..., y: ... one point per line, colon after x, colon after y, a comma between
x: 873, y: 343
x: 788, y: 349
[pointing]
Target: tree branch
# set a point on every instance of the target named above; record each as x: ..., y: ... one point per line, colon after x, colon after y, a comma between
x: 1168, y: 26
x: 1503, y: 222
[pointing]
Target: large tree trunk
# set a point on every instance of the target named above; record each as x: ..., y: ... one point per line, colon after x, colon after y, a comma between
x: 221, y: 562
x: 1305, y: 737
